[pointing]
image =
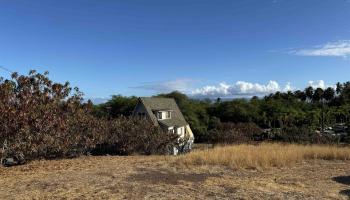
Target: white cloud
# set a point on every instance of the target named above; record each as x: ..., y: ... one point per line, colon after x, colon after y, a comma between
x: 334, y: 49
x: 288, y: 87
x: 317, y: 84
x: 247, y: 89
x: 240, y: 88
x: 320, y: 84
x: 182, y: 85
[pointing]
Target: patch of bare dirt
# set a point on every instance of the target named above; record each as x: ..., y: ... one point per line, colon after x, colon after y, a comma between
x: 157, y: 177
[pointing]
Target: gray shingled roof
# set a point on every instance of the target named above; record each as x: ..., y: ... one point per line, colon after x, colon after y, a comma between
x: 159, y: 103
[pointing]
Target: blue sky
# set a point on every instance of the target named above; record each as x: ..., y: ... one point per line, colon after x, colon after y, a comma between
x: 201, y: 47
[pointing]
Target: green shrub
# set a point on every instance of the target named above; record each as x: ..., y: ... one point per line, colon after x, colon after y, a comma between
x: 228, y: 133
x: 303, y: 135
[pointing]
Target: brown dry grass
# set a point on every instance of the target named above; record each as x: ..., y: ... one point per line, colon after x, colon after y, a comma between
x: 158, y: 177
x: 264, y: 155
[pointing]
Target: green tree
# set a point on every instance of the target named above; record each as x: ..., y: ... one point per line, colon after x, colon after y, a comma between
x: 318, y: 95
x: 117, y: 106
x: 309, y: 92
x: 329, y: 94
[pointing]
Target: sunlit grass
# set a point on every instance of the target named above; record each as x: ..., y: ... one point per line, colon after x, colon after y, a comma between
x: 263, y: 155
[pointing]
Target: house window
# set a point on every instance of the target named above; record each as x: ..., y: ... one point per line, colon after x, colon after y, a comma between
x: 171, y: 130
x: 141, y: 115
x: 160, y: 116
x: 163, y: 115
x: 168, y: 114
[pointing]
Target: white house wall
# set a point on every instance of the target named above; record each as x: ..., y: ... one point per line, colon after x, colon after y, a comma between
x: 189, y: 132
x: 181, y: 131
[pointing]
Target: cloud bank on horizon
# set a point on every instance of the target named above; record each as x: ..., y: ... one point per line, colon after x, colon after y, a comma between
x: 239, y: 89
x: 332, y: 49
x: 248, y: 89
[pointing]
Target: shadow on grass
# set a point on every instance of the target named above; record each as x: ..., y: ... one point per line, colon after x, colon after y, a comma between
x: 345, y: 192
x: 343, y: 180
x: 169, y: 177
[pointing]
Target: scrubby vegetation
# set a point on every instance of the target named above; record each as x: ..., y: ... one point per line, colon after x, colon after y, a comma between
x: 43, y: 119
x: 264, y: 155
x: 304, y: 135
x: 298, y: 116
x: 230, y: 133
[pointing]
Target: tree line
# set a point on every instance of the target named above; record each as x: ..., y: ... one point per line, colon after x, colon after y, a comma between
x: 305, y: 110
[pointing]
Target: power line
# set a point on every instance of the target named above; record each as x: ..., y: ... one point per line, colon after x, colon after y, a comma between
x: 3, y: 68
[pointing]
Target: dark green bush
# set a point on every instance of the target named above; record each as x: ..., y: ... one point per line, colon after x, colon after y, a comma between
x: 228, y: 133
x: 303, y: 135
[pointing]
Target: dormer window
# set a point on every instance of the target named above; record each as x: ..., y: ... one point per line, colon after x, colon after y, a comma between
x: 163, y: 114
x: 168, y: 114
x: 160, y: 115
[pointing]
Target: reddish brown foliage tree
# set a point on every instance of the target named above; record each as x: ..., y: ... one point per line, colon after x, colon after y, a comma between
x: 42, y: 119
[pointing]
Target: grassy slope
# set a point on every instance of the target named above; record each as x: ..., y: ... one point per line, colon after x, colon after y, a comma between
x: 156, y: 177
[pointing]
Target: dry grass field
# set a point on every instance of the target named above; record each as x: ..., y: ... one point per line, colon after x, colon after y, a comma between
x: 220, y: 173
x: 264, y: 155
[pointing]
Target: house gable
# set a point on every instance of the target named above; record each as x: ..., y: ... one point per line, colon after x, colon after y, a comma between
x: 154, y: 105
x: 141, y: 108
